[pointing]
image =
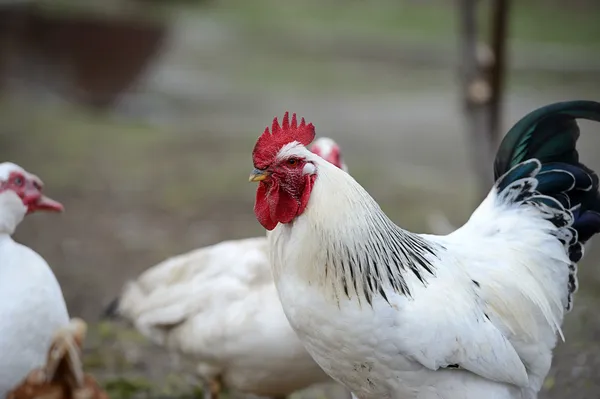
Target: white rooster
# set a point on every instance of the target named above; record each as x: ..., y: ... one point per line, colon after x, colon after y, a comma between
x: 218, y: 306
x: 32, y: 306
x: 394, y: 314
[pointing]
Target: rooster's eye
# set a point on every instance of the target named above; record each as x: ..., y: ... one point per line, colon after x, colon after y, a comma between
x: 292, y: 161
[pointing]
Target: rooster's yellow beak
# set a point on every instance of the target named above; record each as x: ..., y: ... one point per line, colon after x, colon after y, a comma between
x: 258, y: 175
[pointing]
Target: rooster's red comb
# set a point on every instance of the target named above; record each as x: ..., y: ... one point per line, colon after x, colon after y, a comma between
x: 270, y: 142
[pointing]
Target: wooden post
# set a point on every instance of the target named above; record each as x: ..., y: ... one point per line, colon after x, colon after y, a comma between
x: 476, y: 95
x: 500, y: 12
x: 482, y: 78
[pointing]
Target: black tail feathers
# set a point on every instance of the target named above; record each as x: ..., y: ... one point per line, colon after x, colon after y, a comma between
x: 538, y: 164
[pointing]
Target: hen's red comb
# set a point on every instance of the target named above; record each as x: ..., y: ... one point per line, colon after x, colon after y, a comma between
x: 270, y: 142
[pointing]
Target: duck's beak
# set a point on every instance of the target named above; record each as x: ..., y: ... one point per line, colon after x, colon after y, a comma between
x: 48, y: 204
x: 36, y: 201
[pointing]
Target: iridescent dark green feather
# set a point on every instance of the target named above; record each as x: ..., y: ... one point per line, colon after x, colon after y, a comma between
x: 538, y: 165
x: 548, y: 134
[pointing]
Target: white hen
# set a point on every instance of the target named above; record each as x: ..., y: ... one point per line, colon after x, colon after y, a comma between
x: 218, y: 306
x: 396, y: 315
x: 32, y: 306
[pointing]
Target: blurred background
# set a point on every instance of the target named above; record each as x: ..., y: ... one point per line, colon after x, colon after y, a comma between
x: 140, y: 116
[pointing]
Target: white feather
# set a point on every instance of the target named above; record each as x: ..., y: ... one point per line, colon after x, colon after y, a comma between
x: 218, y: 306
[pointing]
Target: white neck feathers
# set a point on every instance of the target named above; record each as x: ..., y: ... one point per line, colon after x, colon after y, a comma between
x: 12, y: 212
x: 348, y: 245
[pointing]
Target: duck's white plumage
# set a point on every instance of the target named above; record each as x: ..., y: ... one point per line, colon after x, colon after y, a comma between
x: 32, y: 305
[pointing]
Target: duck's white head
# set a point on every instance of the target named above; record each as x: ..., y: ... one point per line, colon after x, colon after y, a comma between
x: 21, y: 194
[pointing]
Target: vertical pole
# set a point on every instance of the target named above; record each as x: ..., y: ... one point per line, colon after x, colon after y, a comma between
x: 475, y: 97
x: 500, y: 12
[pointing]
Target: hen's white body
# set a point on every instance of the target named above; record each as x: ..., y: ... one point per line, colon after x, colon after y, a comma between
x: 493, y: 306
x: 32, y: 306
x: 218, y: 305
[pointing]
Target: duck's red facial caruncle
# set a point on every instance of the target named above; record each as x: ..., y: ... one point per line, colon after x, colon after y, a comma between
x: 29, y: 188
x: 284, y: 179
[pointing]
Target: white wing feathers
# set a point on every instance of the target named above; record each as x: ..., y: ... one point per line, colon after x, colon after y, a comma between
x: 447, y: 324
x: 193, y: 284
x: 521, y: 271
x: 521, y: 266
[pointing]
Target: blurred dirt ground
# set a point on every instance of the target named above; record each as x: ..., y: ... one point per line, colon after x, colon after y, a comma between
x: 167, y: 172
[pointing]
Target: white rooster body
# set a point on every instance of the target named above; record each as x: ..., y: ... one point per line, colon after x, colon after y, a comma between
x: 32, y: 306
x: 218, y: 306
x: 393, y: 347
x: 393, y: 314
